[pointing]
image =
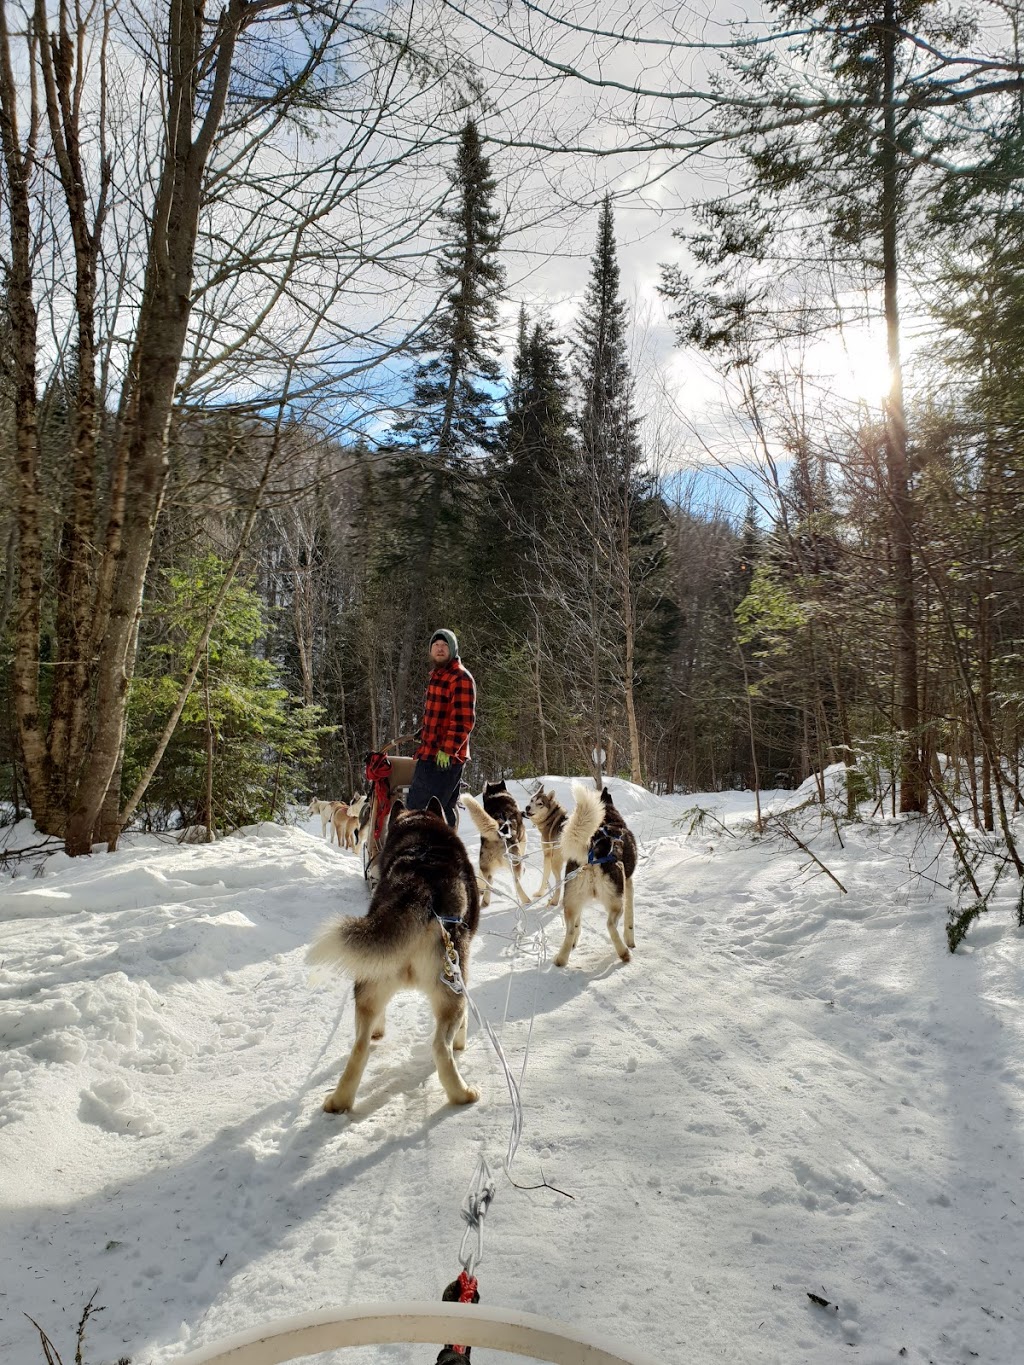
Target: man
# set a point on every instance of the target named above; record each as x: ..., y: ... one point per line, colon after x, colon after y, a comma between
x: 449, y: 714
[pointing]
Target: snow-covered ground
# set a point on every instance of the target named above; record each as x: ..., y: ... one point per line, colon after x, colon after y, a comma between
x: 789, y: 1091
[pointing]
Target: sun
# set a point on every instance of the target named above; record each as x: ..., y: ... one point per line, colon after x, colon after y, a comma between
x: 855, y: 364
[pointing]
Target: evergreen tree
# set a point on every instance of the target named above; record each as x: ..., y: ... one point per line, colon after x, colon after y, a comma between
x: 452, y: 419
x: 828, y: 203
x: 524, y: 515
x: 453, y: 397
x: 536, y: 450
x: 617, y: 513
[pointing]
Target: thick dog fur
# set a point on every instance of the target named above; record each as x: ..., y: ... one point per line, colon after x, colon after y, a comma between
x: 325, y: 809
x: 596, y: 827
x: 549, y: 817
x: 345, y: 822
x: 502, y: 836
x: 425, y: 873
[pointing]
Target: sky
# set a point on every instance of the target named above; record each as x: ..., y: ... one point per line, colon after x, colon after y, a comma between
x: 791, y: 1090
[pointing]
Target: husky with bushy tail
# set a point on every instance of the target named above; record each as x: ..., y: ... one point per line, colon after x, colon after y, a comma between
x: 600, y: 859
x: 502, y: 836
x: 425, y: 906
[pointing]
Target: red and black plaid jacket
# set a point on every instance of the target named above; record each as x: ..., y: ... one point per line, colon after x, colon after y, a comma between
x: 449, y: 712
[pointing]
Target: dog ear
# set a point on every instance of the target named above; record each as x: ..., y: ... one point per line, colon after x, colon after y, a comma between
x: 435, y: 808
x: 606, y: 796
x: 397, y: 807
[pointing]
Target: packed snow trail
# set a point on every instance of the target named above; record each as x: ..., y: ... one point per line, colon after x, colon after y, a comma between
x: 787, y: 1091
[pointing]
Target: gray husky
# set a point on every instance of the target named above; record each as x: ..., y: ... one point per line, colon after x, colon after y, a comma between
x: 427, y: 890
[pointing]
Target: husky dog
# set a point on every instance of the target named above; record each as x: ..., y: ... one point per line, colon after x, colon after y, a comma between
x: 345, y: 822
x: 325, y: 809
x: 549, y: 817
x: 355, y: 809
x: 426, y: 899
x: 600, y: 858
x: 502, y: 836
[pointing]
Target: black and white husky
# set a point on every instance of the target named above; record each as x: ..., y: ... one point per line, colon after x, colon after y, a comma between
x: 425, y: 903
x: 600, y: 858
x: 502, y: 836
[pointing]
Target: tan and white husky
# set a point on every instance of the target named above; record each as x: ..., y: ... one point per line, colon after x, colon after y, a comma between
x: 549, y: 817
x: 600, y: 858
x: 427, y: 889
x: 502, y: 836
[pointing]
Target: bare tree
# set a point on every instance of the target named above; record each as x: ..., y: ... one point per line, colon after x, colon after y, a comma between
x: 239, y: 224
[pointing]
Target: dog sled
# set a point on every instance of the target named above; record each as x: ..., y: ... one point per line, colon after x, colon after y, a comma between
x: 387, y: 778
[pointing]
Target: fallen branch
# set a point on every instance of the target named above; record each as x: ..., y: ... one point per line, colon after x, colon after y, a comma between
x: 31, y: 849
x: 813, y: 856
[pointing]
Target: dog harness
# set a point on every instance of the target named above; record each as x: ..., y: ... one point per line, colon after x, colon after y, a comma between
x: 609, y: 858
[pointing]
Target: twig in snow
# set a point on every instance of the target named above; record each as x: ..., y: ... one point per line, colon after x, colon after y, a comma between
x: 822, y: 1303
x: 544, y: 1185
x: 813, y: 856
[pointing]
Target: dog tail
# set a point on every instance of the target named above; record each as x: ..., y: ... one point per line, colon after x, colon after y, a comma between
x: 363, y: 947
x: 485, y: 823
x: 582, y: 824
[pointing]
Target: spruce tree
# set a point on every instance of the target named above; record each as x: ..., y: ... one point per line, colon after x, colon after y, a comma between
x: 453, y: 400
x: 616, y: 511
x: 452, y: 418
x: 537, y: 451
x: 519, y: 579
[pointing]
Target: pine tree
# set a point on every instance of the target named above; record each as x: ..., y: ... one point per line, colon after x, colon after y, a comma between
x: 536, y: 446
x: 451, y: 425
x: 613, y: 496
x: 453, y: 387
x: 524, y: 515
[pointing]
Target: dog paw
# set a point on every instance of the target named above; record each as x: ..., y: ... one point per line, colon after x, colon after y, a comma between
x: 332, y: 1105
x: 561, y: 961
x: 625, y: 955
x: 468, y: 1096
x: 630, y: 941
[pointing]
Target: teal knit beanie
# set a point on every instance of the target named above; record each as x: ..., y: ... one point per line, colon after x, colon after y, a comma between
x: 448, y: 636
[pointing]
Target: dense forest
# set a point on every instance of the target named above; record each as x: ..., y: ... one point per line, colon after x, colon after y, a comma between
x: 271, y: 410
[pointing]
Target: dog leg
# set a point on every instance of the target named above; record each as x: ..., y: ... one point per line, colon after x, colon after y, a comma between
x: 557, y: 868
x: 546, y: 875
x: 572, y: 909
x: 484, y: 883
x: 523, y: 897
x: 628, y: 922
x: 614, y: 911
x: 370, y: 1003
x: 459, y: 1041
x: 451, y: 1021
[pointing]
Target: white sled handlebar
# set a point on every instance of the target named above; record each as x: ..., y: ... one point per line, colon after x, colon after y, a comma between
x: 379, y: 1324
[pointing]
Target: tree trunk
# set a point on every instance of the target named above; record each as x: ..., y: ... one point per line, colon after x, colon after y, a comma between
x: 160, y: 341
x: 913, y: 778
x: 19, y: 166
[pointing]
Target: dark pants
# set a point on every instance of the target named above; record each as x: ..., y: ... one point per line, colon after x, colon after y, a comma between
x: 429, y: 780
